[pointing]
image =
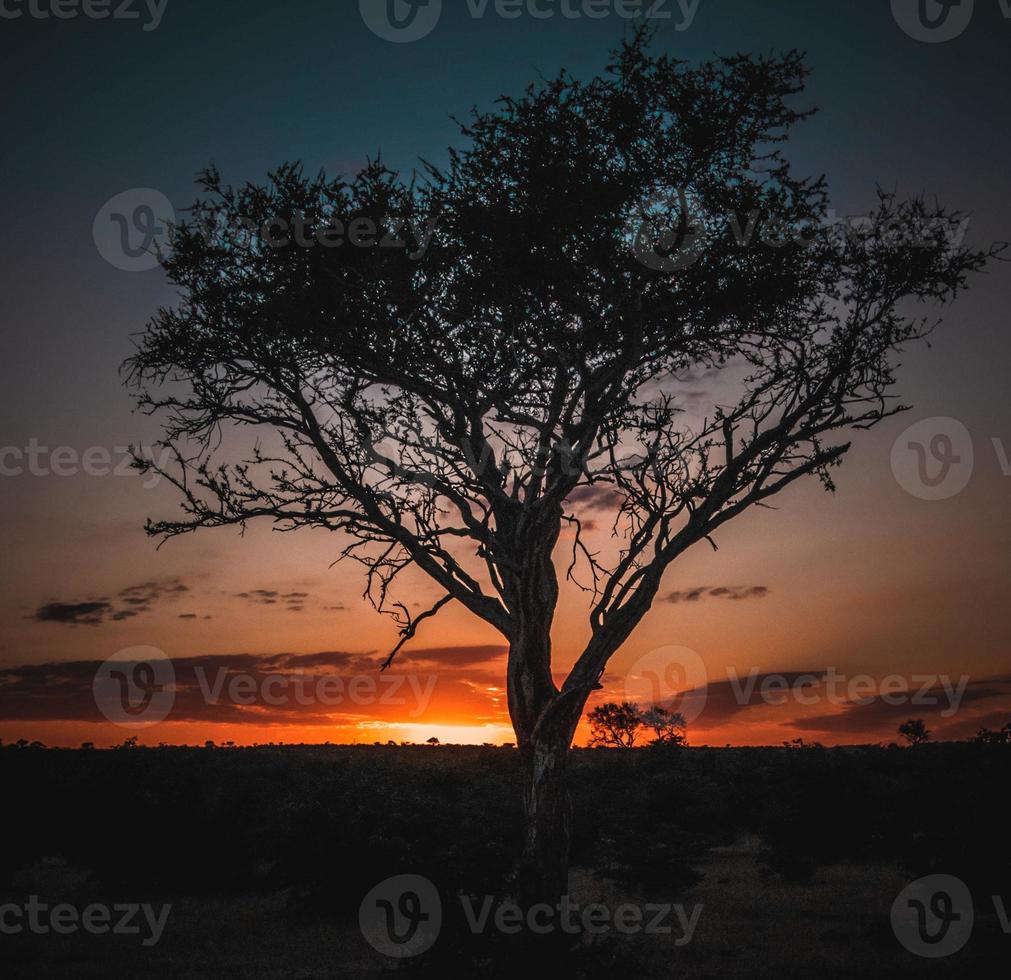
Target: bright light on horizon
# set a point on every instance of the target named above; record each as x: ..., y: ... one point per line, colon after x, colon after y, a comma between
x: 447, y: 734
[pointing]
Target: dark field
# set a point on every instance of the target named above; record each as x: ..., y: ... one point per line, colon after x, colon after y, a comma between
x: 265, y: 854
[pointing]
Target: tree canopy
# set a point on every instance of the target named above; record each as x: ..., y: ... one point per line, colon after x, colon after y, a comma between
x: 451, y: 404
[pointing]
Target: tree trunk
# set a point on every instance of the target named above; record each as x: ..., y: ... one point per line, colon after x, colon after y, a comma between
x: 543, y: 873
x: 544, y: 719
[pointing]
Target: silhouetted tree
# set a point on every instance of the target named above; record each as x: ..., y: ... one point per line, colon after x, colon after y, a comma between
x: 668, y: 726
x: 432, y: 741
x: 452, y: 409
x: 914, y: 731
x: 614, y: 725
x: 987, y: 736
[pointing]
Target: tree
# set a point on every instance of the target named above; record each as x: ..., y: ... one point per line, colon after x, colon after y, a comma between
x: 668, y: 726
x: 914, y: 731
x: 987, y: 736
x: 453, y: 409
x: 614, y: 725
x: 432, y: 741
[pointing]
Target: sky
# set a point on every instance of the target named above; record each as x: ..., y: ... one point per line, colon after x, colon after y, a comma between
x: 873, y: 584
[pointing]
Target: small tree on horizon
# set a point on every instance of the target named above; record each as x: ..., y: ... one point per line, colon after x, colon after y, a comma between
x: 987, y: 736
x: 914, y: 731
x: 458, y: 410
x: 614, y: 725
x: 669, y: 727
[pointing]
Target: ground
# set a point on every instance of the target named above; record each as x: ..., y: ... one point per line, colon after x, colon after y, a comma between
x: 795, y: 856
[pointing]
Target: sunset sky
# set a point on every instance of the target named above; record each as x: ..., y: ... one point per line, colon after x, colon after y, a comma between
x: 871, y: 581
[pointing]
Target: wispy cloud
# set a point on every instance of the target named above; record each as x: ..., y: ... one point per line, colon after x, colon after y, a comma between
x: 719, y: 592
x: 128, y: 603
x: 291, y: 601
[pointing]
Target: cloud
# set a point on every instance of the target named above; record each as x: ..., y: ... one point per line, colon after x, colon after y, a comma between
x: 73, y: 613
x: 719, y: 592
x: 292, y: 601
x: 63, y: 691
x: 814, y: 703
x: 470, y: 681
x: 876, y: 717
x: 595, y: 496
x: 261, y: 596
x: 148, y: 593
x: 467, y: 656
x: 719, y: 701
x: 127, y: 604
